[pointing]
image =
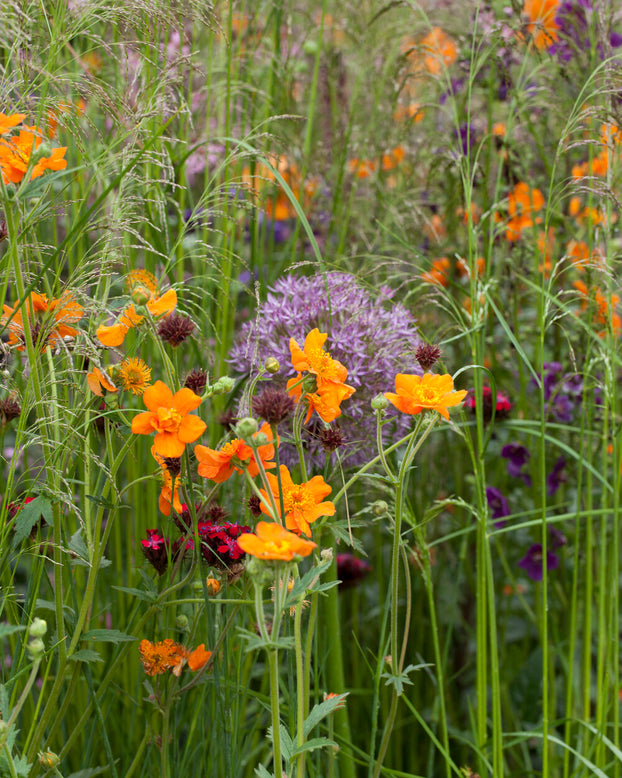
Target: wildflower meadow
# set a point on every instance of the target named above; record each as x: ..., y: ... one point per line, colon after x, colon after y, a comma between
x: 310, y: 435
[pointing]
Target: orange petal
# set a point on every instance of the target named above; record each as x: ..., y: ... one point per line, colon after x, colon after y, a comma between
x: 158, y: 396
x: 166, y: 304
x: 143, y: 424
x: 191, y: 428
x: 185, y: 400
x: 167, y: 444
x: 112, y: 336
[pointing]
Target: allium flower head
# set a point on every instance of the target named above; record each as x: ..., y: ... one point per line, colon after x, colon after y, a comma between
x: 373, y: 337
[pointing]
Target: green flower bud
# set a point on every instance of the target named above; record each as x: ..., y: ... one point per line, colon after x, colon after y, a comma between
x: 246, y: 428
x: 310, y: 47
x: 182, y: 623
x: 309, y: 384
x: 224, y: 385
x: 49, y: 760
x: 380, y: 508
x: 261, y: 439
x: 326, y: 555
x: 38, y: 628
x: 36, y: 649
x: 44, y: 150
x: 380, y: 403
x: 259, y: 571
x: 272, y: 365
x: 141, y: 296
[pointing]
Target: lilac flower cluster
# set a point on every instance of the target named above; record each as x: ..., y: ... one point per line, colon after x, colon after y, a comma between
x: 374, y: 338
x: 574, y: 20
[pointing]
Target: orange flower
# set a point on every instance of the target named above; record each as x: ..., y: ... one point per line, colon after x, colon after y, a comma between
x: 439, y: 273
x: 329, y: 374
x: 272, y: 541
x: 435, y: 51
x: 412, y: 111
x: 168, y: 495
x: 605, y: 310
x: 169, y: 417
x: 218, y: 464
x: 8, y: 122
x: 157, y: 658
x: 15, y: 155
x: 49, y: 319
x: 427, y: 392
x: 98, y: 381
x: 198, y: 658
x: 361, y: 168
x: 302, y: 502
x: 542, y: 25
x: 143, y: 287
x: 522, y: 202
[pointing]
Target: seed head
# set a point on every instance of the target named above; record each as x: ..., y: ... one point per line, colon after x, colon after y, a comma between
x: 331, y: 438
x: 196, y: 380
x: 274, y: 405
x: 9, y: 409
x: 175, y: 328
x: 427, y: 355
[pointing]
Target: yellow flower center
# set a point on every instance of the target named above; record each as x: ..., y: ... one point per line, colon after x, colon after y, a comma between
x: 298, y: 498
x: 321, y: 363
x: 169, y: 419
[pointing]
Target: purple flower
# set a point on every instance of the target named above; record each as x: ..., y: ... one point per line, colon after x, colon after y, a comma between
x: 517, y: 456
x: 532, y: 562
x: 576, y: 28
x: 498, y: 505
x: 466, y: 134
x: 373, y: 337
x: 558, y: 539
x: 556, y: 477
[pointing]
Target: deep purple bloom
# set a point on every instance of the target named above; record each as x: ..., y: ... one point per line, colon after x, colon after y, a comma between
x: 576, y: 29
x: 351, y: 570
x: 498, y: 505
x: 532, y: 562
x: 517, y: 456
x: 374, y: 337
x: 466, y: 134
x: 556, y: 477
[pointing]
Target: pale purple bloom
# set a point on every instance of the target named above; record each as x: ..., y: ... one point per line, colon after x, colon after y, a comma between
x: 517, y: 456
x: 532, y: 562
x: 373, y: 337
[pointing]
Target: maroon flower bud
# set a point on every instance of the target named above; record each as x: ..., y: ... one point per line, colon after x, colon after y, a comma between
x: 196, y: 380
x: 175, y: 328
x: 427, y: 355
x: 274, y: 405
x: 9, y: 409
x: 331, y: 438
x: 173, y: 465
x: 254, y: 505
x: 155, y: 548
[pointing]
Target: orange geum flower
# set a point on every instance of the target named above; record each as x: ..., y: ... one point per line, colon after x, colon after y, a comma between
x: 542, y: 25
x: 98, y: 381
x: 302, y: 503
x: 439, y: 273
x: 198, y: 658
x: 274, y: 542
x: 218, y: 464
x: 158, y: 658
x: 15, y: 154
x: 414, y: 393
x: 317, y: 361
x: 49, y: 319
x: 143, y: 288
x: 326, y: 401
x: 7, y: 122
x: 169, y: 417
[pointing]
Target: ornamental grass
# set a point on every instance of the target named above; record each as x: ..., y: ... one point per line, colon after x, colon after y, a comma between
x: 310, y: 444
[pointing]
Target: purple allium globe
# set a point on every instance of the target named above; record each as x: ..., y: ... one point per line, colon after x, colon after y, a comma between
x: 373, y: 337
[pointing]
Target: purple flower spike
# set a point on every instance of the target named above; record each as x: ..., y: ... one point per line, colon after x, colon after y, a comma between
x: 517, y: 457
x: 532, y: 562
x: 498, y: 505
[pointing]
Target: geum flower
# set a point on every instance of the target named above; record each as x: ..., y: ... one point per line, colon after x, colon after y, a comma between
x: 143, y: 288
x: 169, y: 417
x: 330, y: 376
x: 273, y: 542
x: 16, y: 152
x: 302, y: 503
x: 49, y: 319
x: 158, y: 658
x: 218, y: 464
x: 414, y: 393
x: 99, y: 381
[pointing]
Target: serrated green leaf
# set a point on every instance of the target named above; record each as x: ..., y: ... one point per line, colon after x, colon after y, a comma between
x: 29, y: 515
x: 313, y: 745
x: 107, y: 636
x: 85, y: 655
x: 77, y: 546
x: 287, y: 744
x: 139, y: 593
x: 21, y: 766
x: 255, y: 642
x: 261, y: 771
x: 398, y: 681
x: 321, y: 710
x: 304, y: 584
x: 10, y: 629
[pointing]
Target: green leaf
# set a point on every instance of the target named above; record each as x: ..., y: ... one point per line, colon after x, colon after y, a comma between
x: 305, y: 584
x: 4, y: 703
x: 78, y: 547
x: 101, y: 502
x: 10, y: 629
x: 321, y: 710
x: 85, y: 655
x: 142, y: 595
x: 29, y: 515
x: 107, y: 636
x: 261, y: 771
x: 313, y: 745
x: 255, y: 642
x: 21, y: 766
x: 398, y: 681
x: 287, y: 744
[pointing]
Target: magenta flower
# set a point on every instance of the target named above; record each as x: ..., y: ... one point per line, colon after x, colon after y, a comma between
x: 533, y: 562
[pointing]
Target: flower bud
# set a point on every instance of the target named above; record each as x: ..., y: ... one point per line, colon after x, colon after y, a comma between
x: 326, y: 555
x: 213, y: 586
x: 141, y: 295
x: 49, y: 760
x: 44, y: 150
x: 246, y: 428
x: 182, y: 623
x: 259, y: 571
x: 309, y: 384
x: 197, y: 587
x: 380, y: 403
x: 261, y: 439
x: 272, y: 365
x: 380, y: 508
x: 224, y: 385
x: 38, y: 628
x: 36, y: 649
